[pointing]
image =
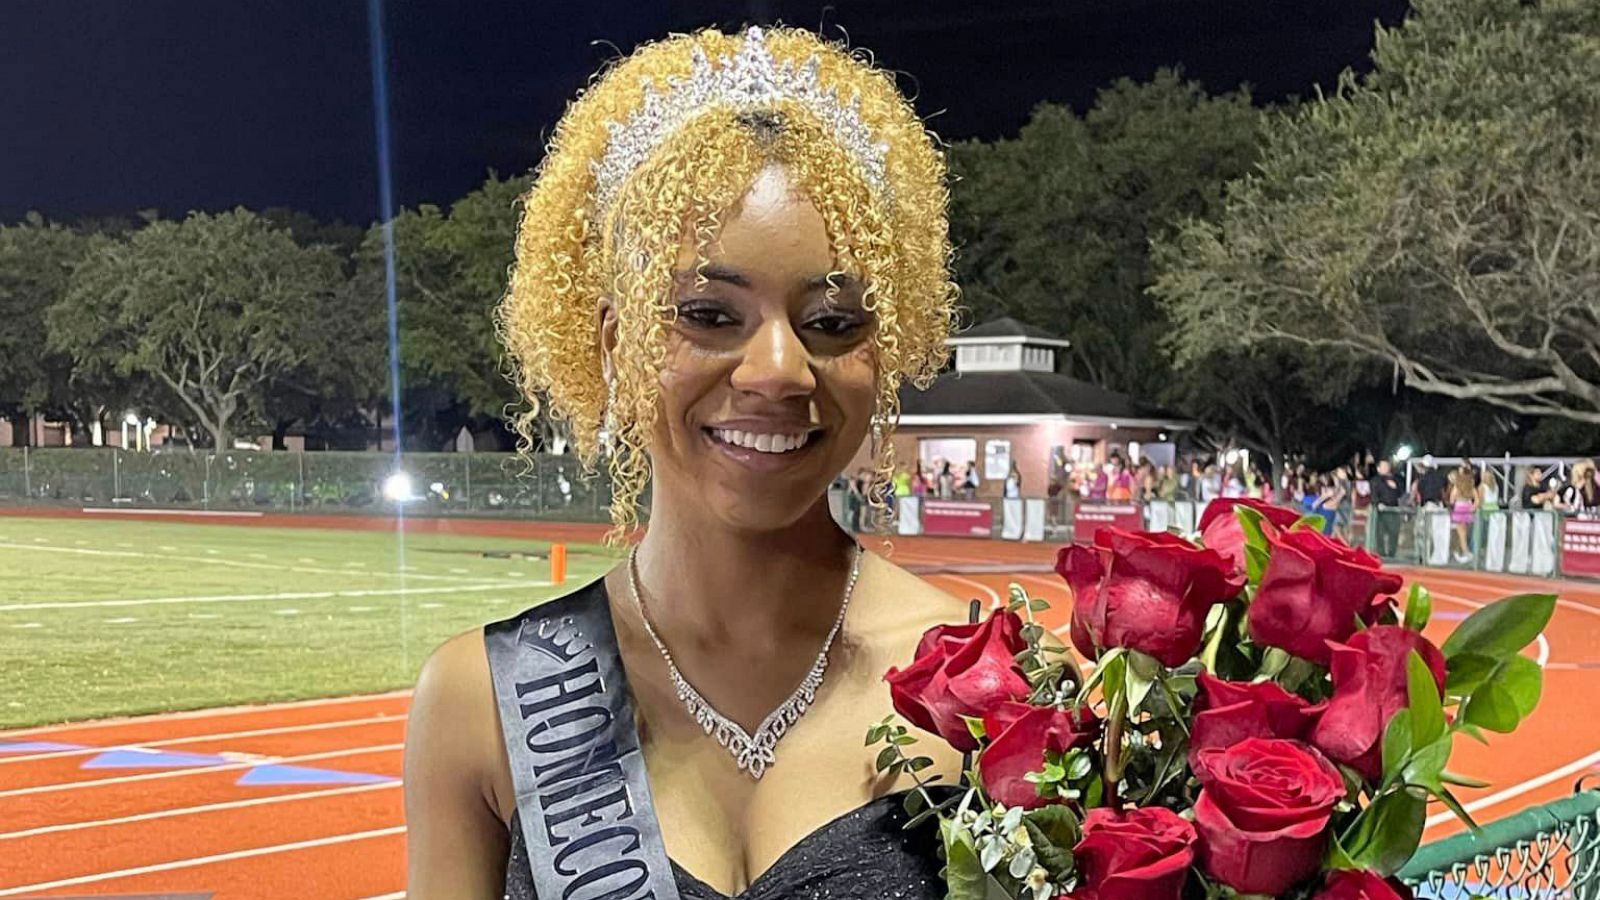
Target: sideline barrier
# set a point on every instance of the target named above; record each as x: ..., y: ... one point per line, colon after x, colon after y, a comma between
x: 1536, y: 542
x: 1548, y: 851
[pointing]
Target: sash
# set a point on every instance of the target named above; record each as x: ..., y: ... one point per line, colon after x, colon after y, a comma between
x: 582, y: 795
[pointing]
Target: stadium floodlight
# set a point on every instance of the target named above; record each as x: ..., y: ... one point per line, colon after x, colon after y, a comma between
x: 1403, y: 453
x: 397, y: 487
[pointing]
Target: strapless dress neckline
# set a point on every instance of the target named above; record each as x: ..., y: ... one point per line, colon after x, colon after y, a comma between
x: 864, y: 852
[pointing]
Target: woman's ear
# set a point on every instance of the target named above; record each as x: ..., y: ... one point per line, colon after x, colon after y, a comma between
x: 608, y: 337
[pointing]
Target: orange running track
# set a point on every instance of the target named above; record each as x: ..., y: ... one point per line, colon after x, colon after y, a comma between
x: 193, y: 832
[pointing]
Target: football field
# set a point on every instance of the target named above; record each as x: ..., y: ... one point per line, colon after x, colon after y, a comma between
x: 115, y: 617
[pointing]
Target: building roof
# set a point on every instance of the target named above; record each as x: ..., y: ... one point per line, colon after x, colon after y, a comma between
x: 1010, y: 394
x: 1006, y: 327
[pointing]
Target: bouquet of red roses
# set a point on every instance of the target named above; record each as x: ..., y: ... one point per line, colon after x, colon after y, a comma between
x: 1253, y: 716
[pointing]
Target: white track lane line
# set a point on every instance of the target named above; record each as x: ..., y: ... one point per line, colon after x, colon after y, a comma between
x: 293, y: 595
x: 198, y: 770
x: 1571, y: 768
x: 195, y: 810
x: 397, y: 895
x: 1543, y: 656
x: 205, y: 713
x: 994, y: 596
x: 218, y: 736
x: 1429, y: 579
x: 232, y: 563
x: 205, y: 860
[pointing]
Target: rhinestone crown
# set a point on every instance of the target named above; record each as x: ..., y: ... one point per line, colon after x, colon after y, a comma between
x: 750, y: 82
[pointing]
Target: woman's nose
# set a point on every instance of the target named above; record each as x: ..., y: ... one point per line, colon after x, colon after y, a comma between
x: 776, y: 364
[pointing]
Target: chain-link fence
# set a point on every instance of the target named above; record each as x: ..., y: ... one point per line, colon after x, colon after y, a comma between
x: 1549, y: 852
x: 553, y: 487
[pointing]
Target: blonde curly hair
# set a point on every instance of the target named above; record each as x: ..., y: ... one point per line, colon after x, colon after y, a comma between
x: 569, y: 254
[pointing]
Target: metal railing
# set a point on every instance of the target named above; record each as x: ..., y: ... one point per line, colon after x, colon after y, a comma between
x: 1550, y: 851
x: 296, y: 482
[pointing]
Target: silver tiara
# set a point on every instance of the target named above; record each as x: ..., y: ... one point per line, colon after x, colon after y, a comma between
x: 750, y: 82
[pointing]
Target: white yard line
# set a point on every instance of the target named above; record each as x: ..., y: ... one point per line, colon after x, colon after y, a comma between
x: 231, y: 563
x: 218, y: 712
x: 214, y: 513
x: 198, y: 770
x: 197, y: 810
x: 200, y: 738
x: 288, y: 595
x: 204, y: 860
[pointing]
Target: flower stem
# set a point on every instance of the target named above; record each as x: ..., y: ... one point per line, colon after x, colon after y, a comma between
x: 1113, y: 746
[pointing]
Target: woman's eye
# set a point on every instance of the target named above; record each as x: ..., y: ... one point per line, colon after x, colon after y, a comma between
x: 836, y: 324
x: 705, y: 316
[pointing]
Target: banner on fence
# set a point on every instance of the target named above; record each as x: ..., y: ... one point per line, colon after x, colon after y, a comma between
x: 956, y: 519
x: 1092, y: 516
x: 1580, y: 548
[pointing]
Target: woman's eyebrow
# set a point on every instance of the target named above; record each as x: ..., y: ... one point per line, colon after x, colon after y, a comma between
x: 715, y: 273
x: 843, y: 280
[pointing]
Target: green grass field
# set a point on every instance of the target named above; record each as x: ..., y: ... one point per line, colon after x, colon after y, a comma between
x: 103, y: 618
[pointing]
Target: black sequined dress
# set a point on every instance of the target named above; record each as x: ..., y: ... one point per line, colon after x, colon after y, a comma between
x: 864, y: 853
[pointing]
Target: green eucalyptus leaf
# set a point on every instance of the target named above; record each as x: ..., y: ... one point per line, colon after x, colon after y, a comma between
x: 876, y: 733
x: 1502, y: 628
x: 886, y: 757
x: 963, y: 873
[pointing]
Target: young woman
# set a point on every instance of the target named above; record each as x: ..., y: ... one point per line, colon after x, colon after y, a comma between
x: 1463, y: 494
x: 734, y: 254
x: 1581, y: 495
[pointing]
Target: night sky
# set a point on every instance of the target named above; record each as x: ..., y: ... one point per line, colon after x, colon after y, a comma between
x: 113, y: 106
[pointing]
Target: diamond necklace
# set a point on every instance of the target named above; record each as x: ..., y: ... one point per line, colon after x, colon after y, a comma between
x: 752, y: 753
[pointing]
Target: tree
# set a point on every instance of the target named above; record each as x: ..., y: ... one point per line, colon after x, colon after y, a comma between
x: 1054, y: 226
x: 36, y: 262
x: 1440, y: 216
x: 450, y: 271
x: 214, y: 308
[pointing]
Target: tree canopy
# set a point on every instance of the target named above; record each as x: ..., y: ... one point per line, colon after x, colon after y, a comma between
x: 1054, y: 226
x: 214, y: 308
x: 1440, y: 216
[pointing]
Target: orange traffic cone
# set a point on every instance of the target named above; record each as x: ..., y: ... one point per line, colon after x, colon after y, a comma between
x: 558, y: 563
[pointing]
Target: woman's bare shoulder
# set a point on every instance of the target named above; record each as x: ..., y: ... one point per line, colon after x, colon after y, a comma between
x: 454, y: 720
x: 922, y: 603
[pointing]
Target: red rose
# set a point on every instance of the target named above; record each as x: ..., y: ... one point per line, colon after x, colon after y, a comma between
x: 1345, y: 884
x: 1019, y: 735
x: 1263, y: 812
x: 1369, y: 687
x: 1135, y: 854
x: 960, y: 670
x: 1314, y: 590
x: 1145, y: 591
x: 1220, y: 529
x: 1227, y: 712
